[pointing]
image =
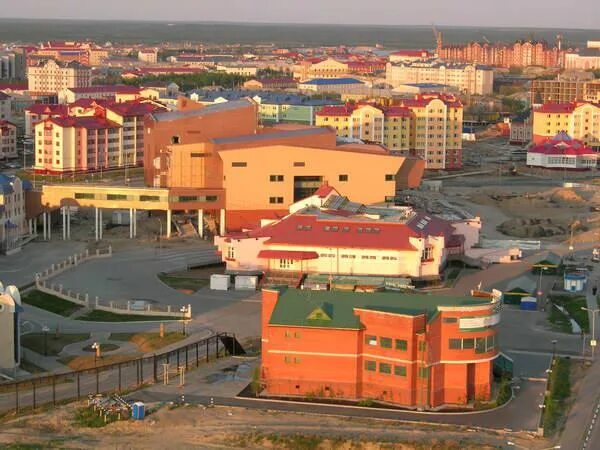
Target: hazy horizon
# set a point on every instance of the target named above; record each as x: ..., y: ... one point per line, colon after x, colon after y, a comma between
x: 470, y: 13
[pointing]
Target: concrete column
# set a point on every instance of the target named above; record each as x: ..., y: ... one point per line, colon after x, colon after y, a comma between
x: 30, y: 224
x: 100, y: 224
x: 168, y: 223
x: 201, y: 223
x: 68, y: 222
x: 63, y: 211
x: 222, y: 223
x: 35, y: 225
x: 44, y: 225
x: 130, y: 223
x: 49, y: 214
x: 134, y: 222
x: 96, y: 225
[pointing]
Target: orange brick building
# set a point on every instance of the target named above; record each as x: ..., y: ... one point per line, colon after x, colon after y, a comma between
x: 416, y: 351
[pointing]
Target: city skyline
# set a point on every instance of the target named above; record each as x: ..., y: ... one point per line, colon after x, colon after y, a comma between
x: 535, y: 14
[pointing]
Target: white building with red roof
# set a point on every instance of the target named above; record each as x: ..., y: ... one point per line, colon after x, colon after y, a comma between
x: 328, y: 234
x: 562, y: 152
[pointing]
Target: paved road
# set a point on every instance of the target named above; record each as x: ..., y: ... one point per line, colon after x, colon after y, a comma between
x: 515, y: 416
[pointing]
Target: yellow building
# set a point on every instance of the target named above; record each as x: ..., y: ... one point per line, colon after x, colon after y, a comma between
x: 428, y: 126
x: 580, y: 120
x: 329, y: 68
x: 52, y: 77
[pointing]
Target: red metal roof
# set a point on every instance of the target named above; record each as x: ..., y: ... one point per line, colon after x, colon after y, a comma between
x: 116, y: 89
x: 557, y: 107
x: 324, y: 191
x: 413, y: 53
x: 287, y: 254
x: 562, y: 144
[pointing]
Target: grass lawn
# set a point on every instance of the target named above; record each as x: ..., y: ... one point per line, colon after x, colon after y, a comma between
x: 176, y: 282
x: 89, y: 362
x: 559, y: 321
x: 148, y: 342
x: 50, y: 303
x: 573, y: 306
x: 35, y: 341
x: 560, y: 389
x: 105, y: 316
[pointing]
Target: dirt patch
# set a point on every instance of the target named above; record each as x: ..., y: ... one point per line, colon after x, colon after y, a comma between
x: 531, y: 228
x: 89, y: 362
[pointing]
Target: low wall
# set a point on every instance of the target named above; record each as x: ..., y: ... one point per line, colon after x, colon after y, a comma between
x: 42, y: 284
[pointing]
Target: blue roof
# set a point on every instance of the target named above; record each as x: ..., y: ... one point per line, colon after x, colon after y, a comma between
x: 266, y: 97
x: 27, y: 186
x: 333, y: 81
x: 6, y: 184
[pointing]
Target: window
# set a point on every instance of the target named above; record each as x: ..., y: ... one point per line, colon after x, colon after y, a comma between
x: 297, y: 334
x: 423, y: 372
x: 371, y: 366
x: 299, y: 164
x: 491, y: 343
x: 175, y: 140
x: 400, y: 371
x: 198, y: 155
x: 385, y: 368
x: 370, y: 340
x: 149, y: 198
x: 276, y: 200
x: 401, y: 344
x: 480, y: 345
x: 427, y: 254
x: 275, y: 178
x: 83, y: 195
x: 385, y: 342
x: 287, y: 359
x: 389, y: 177
x: 116, y: 197
x: 230, y: 252
x: 455, y: 344
x: 343, y: 178
x: 239, y: 164
x: 450, y: 320
x: 297, y: 360
x: 468, y: 343
x: 422, y: 345
x: 285, y: 263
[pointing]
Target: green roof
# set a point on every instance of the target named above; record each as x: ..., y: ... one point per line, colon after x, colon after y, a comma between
x: 335, y: 309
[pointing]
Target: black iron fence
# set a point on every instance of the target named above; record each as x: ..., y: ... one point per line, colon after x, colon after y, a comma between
x: 51, y: 389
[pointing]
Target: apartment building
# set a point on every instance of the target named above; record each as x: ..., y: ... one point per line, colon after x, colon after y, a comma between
x: 149, y: 55
x: 41, y: 111
x: 8, y: 140
x: 409, y: 350
x: 428, y: 126
x: 13, y: 223
x: 237, y: 69
x: 118, y: 93
x: 12, y: 65
x: 92, y: 136
x: 51, y: 77
x: 467, y: 78
x: 85, y: 53
x: 564, y: 90
x: 5, y: 106
x: 580, y: 120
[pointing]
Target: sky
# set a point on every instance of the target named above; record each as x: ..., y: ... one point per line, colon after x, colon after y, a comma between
x: 513, y: 13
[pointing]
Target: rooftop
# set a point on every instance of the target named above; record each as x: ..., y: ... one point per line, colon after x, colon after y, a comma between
x: 332, y: 81
x: 201, y: 112
x: 308, y: 131
x: 336, y: 309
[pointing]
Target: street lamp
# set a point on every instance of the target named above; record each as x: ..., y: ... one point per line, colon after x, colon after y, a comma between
x: 593, y: 339
x: 45, y: 330
x: 96, y: 348
x: 184, y: 310
x: 542, y: 270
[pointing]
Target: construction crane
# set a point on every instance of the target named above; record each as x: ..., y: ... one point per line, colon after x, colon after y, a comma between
x: 437, y: 35
x: 486, y: 40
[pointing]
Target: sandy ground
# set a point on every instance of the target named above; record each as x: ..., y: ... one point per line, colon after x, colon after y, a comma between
x: 221, y: 427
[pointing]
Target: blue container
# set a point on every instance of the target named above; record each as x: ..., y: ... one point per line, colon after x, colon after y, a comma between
x: 528, y: 304
x: 138, y: 411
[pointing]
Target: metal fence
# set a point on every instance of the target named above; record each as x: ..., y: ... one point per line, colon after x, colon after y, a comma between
x: 52, y: 389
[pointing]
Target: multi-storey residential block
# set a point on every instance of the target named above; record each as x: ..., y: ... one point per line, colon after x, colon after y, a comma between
x: 8, y: 139
x: 580, y: 120
x: 52, y: 77
x: 118, y: 93
x: 5, y: 106
x: 12, y: 65
x: 93, y: 136
x: 468, y: 78
x: 428, y: 126
x: 408, y: 350
x: 84, y: 53
x: 13, y: 223
x: 41, y: 111
x: 564, y: 89
x: 149, y: 55
x: 519, y: 54
x: 521, y: 129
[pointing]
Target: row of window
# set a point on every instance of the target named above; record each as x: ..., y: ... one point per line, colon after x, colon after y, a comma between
x: 385, y: 368
x: 386, y: 342
x: 245, y: 164
x: 145, y: 198
x: 481, y: 345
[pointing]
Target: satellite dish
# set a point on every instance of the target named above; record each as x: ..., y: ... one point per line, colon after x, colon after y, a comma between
x: 13, y: 291
x: 1, y: 288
